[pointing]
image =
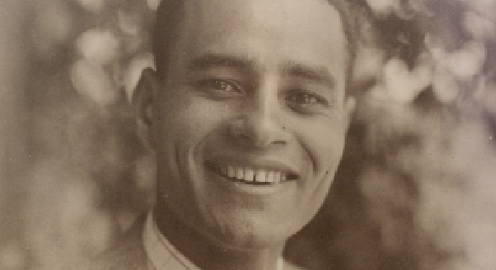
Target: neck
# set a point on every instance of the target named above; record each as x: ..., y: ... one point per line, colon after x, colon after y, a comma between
x: 210, y: 256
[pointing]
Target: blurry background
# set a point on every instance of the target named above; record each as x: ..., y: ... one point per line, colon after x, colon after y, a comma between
x: 416, y: 190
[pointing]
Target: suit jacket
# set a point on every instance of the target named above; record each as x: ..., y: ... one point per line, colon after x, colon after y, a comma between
x: 127, y: 254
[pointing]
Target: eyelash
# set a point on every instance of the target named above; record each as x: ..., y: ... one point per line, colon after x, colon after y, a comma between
x: 308, y: 98
x: 217, y: 84
x: 299, y: 100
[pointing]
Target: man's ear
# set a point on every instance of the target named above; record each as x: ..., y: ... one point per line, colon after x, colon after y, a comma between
x: 143, y: 104
x: 349, y: 109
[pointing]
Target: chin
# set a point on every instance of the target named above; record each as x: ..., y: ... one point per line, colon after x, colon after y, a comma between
x: 249, y: 235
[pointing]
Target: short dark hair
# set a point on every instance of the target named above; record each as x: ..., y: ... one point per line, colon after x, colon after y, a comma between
x: 167, y: 28
x: 170, y: 13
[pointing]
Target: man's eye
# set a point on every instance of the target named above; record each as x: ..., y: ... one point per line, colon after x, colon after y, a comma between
x: 306, y: 99
x: 221, y: 85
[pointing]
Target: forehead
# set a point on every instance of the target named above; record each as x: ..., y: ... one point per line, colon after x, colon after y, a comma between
x: 310, y: 31
x: 262, y: 12
x: 313, y: 17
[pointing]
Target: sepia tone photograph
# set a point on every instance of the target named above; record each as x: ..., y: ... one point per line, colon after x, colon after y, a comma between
x: 248, y: 135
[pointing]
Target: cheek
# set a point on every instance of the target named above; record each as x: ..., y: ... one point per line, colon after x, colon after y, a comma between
x: 324, y: 143
x: 184, y: 127
x: 188, y: 119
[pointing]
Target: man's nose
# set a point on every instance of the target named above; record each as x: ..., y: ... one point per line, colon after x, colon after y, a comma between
x: 260, y: 123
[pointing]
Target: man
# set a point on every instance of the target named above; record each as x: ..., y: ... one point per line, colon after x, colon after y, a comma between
x: 247, y: 115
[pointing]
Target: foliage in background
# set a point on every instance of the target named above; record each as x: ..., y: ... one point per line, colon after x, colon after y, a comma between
x: 416, y: 188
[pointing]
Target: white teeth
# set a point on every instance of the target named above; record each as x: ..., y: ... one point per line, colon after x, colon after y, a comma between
x: 249, y: 175
x: 270, y: 177
x: 240, y: 173
x: 260, y: 177
x: 231, y: 172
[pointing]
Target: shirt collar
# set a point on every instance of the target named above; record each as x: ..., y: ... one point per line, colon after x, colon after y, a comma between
x: 162, y: 255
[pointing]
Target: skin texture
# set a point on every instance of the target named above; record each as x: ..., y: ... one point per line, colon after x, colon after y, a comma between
x: 250, y: 83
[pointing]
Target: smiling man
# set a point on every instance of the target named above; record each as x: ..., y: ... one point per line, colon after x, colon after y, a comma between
x: 247, y: 114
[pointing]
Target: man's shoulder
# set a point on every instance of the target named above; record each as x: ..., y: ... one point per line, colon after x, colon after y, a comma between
x: 128, y: 253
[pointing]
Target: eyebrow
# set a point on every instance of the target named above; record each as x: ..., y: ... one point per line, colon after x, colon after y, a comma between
x: 317, y: 74
x: 216, y: 60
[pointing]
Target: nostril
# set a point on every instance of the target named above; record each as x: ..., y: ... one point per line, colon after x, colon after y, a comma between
x: 257, y: 131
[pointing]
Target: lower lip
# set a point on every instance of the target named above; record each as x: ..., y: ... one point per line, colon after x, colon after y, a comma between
x: 246, y: 188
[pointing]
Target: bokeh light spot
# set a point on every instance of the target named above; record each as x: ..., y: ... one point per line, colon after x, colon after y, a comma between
x: 93, y: 82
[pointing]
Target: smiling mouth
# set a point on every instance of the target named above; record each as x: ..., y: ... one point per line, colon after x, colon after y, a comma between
x: 254, y: 176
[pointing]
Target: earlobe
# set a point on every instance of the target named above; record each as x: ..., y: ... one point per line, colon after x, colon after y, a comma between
x: 143, y: 101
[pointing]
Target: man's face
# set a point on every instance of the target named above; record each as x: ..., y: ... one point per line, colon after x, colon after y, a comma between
x: 249, y: 123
